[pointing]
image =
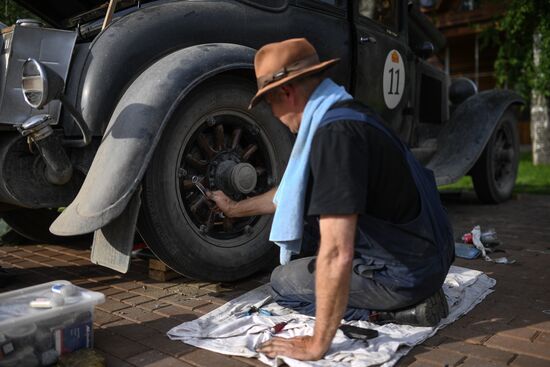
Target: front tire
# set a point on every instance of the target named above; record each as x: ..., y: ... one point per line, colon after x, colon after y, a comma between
x: 211, y: 128
x: 494, y: 174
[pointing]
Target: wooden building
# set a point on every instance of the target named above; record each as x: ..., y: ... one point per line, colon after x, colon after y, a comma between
x: 467, y: 54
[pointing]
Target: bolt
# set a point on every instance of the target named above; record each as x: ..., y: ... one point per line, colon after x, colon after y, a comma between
x: 202, y: 229
x: 248, y: 229
x: 210, y: 121
x: 254, y: 130
x: 182, y: 172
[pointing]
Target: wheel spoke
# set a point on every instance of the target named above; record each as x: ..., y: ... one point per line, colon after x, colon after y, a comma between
x: 251, y: 149
x: 206, y: 149
x: 227, y: 224
x: 220, y: 138
x: 197, y: 163
x: 210, y: 222
x: 197, y: 204
x: 187, y: 185
x: 236, y: 138
x: 260, y: 171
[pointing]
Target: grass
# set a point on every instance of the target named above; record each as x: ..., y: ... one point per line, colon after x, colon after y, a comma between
x: 531, y: 179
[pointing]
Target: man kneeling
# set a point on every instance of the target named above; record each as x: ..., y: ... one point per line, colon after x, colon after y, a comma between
x: 385, y: 245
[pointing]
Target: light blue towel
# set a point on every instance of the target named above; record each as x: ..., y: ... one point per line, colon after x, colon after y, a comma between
x: 288, y: 223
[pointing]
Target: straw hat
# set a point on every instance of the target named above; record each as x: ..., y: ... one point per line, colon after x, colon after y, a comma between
x: 279, y: 63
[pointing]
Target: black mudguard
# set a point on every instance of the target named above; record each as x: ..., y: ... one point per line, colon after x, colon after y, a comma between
x: 463, y: 139
x: 135, y: 129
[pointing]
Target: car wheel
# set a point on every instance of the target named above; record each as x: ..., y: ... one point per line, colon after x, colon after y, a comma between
x: 34, y: 224
x: 494, y: 174
x: 215, y: 139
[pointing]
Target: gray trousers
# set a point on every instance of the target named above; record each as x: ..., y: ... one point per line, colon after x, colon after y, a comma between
x: 293, y: 286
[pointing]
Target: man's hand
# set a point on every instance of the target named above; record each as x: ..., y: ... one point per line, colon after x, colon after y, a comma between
x: 303, y: 348
x: 255, y: 205
x: 223, y: 202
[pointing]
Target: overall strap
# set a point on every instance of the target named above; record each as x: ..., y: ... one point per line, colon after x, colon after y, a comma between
x: 346, y: 113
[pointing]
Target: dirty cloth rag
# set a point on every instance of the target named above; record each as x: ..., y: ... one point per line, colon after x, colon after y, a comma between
x: 220, y: 331
x: 288, y: 222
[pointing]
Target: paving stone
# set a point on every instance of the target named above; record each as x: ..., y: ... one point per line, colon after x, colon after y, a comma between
x: 203, y: 357
x: 186, y: 290
x: 161, y: 342
x: 151, y: 292
x: 154, y: 305
x: 206, y: 308
x: 440, y: 357
x: 520, y: 333
x: 130, y: 329
x: 543, y: 338
x: 476, y: 362
x: 137, y: 315
x: 127, y: 285
x: 166, y: 323
x: 436, y: 340
x: 185, y: 301
x: 122, y: 295
x: 162, y: 285
x: 468, y: 335
x: 112, y: 361
x: 109, y: 291
x: 250, y: 361
x: 155, y: 358
x: 112, y: 305
x: 537, y: 350
x: 176, y: 312
x: 477, y: 351
x: 542, y: 326
x: 137, y: 300
x: 118, y: 346
x: 101, y: 317
x: 526, y: 361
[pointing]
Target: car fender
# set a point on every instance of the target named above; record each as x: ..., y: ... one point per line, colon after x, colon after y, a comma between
x: 135, y: 129
x: 464, y: 138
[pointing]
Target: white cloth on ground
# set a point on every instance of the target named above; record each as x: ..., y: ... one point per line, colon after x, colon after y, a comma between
x: 220, y: 331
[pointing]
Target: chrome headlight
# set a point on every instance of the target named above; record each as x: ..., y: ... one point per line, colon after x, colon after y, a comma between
x: 40, y: 84
x: 34, y: 83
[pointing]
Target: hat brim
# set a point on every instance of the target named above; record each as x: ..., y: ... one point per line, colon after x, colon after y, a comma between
x: 307, y: 71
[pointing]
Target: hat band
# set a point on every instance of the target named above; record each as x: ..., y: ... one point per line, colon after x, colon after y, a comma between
x: 265, y: 80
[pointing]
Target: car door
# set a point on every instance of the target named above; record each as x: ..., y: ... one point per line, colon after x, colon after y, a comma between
x: 382, y: 77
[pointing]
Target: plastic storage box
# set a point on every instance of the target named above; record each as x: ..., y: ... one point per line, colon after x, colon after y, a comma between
x: 40, y: 323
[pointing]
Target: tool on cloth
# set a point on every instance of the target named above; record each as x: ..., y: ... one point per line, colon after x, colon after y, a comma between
x: 279, y: 327
x: 256, y: 308
x: 356, y: 332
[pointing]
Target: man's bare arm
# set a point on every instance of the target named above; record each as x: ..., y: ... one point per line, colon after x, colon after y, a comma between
x: 257, y: 205
x: 333, y: 276
x: 332, y: 281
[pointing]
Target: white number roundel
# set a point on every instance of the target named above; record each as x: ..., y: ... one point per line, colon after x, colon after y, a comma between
x: 394, y: 79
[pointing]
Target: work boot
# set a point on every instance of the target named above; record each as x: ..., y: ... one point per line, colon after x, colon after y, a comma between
x: 427, y: 313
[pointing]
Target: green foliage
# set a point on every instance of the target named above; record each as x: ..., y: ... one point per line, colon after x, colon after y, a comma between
x: 514, y: 66
x: 10, y: 12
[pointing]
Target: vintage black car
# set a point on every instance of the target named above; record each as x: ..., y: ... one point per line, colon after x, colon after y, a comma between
x: 112, y: 120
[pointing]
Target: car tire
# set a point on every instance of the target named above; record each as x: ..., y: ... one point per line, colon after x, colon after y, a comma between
x: 171, y: 214
x: 494, y: 174
x: 34, y: 224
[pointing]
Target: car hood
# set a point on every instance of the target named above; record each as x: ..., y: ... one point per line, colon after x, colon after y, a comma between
x: 68, y: 13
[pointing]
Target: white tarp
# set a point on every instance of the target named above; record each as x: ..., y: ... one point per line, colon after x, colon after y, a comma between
x: 222, y: 332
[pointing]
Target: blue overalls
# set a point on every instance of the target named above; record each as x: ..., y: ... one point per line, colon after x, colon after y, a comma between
x: 399, y: 264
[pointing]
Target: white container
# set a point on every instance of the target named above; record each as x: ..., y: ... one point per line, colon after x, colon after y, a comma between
x: 31, y: 336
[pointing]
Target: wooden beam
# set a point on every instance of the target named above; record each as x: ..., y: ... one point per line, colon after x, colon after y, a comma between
x: 109, y: 15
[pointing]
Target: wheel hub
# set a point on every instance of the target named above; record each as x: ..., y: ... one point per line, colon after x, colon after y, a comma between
x: 229, y: 174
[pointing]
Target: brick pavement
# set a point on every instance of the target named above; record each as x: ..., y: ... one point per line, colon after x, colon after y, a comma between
x: 510, y: 328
